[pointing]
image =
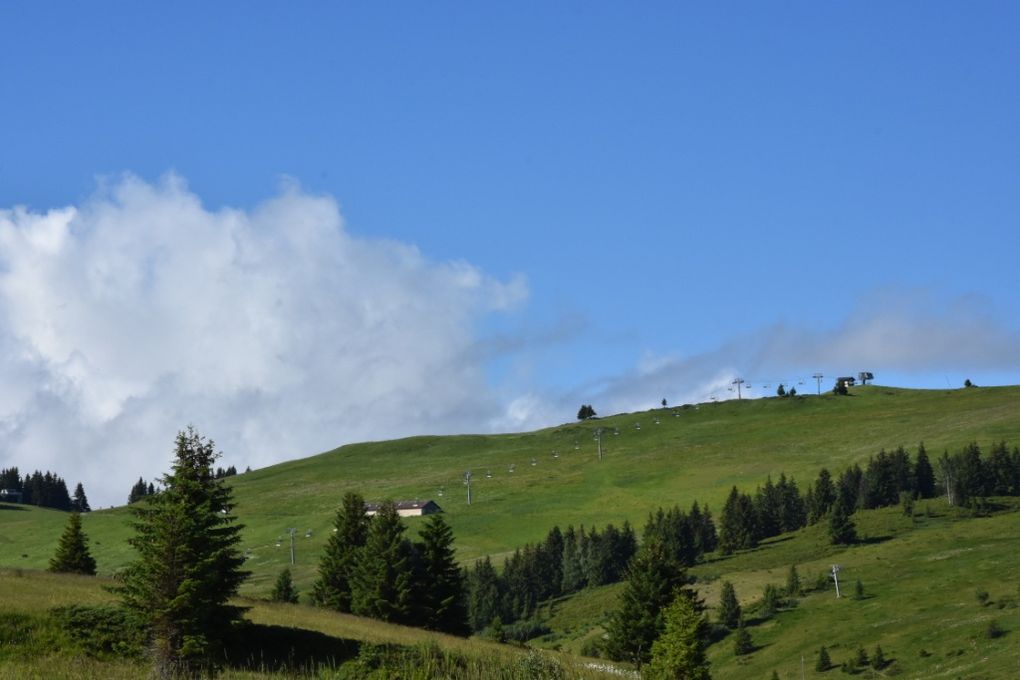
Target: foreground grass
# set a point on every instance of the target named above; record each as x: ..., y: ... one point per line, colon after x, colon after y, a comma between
x: 325, y: 644
x: 696, y: 454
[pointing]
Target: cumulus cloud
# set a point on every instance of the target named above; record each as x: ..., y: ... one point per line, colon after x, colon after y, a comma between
x: 272, y: 330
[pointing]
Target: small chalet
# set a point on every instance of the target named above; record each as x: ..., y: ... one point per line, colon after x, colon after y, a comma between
x: 846, y: 381
x: 407, y: 508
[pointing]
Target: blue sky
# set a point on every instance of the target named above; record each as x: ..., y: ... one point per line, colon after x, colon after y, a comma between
x: 565, y: 202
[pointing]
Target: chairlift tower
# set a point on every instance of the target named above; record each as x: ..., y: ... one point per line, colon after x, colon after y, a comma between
x: 835, y: 577
x: 467, y: 483
x: 598, y: 438
x: 292, y: 531
x: 818, y: 381
x: 738, y: 382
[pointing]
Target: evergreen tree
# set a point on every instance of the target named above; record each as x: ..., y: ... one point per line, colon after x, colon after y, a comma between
x: 138, y: 491
x: 72, y: 554
x: 770, y: 601
x: 10, y: 479
x: 680, y: 651
x: 824, y: 496
x: 730, y: 613
x: 573, y: 571
x: 792, y: 582
x: 381, y: 585
x: 842, y: 530
x: 485, y: 596
x: 332, y: 589
x: 823, y: 663
x: 188, y: 564
x: 653, y: 582
x: 551, y: 566
x: 878, y: 658
x: 284, y: 590
x: 742, y: 642
x: 79, y: 503
x: 737, y: 531
x: 442, y: 587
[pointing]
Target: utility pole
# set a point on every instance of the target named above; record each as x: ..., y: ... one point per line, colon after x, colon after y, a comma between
x: 598, y: 438
x: 835, y: 571
x: 818, y: 381
x: 467, y: 482
x: 738, y: 382
x: 292, y: 531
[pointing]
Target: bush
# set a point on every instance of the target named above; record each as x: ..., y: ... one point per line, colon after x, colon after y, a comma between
x: 593, y: 647
x: 982, y: 596
x: 102, y: 631
x: 994, y: 630
x: 823, y: 663
x: 522, y: 631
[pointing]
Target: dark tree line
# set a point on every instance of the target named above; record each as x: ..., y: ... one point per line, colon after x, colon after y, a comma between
x: 141, y: 489
x: 565, y: 562
x: 225, y: 472
x: 370, y: 568
x: 44, y: 489
x: 774, y: 509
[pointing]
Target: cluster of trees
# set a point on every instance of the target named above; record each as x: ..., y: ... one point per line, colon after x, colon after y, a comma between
x: 141, y: 489
x: 565, y: 562
x: 585, y: 412
x: 44, y: 489
x: 370, y: 568
x: 684, y: 536
x: 774, y: 509
x: 225, y: 472
x: 967, y: 476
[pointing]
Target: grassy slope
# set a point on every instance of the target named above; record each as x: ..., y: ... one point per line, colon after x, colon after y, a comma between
x: 35, y: 593
x: 698, y: 454
x: 920, y: 577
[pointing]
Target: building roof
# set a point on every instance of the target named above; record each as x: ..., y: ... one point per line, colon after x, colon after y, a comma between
x: 401, y: 505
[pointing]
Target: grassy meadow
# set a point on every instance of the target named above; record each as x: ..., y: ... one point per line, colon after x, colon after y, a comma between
x: 678, y: 455
x: 921, y: 573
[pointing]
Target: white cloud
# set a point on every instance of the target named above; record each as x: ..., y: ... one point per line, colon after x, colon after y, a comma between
x: 274, y: 331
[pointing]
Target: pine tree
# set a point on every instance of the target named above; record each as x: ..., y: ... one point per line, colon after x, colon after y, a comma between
x: 573, y: 572
x: 336, y: 566
x: 738, y: 523
x: 878, y: 658
x: 842, y: 530
x: 138, y: 491
x: 680, y: 651
x: 742, y: 642
x: 485, y: 595
x: 382, y: 585
x: 442, y: 586
x: 653, y: 582
x: 792, y: 582
x: 824, y: 663
x: 188, y: 564
x: 80, y: 503
x: 924, y: 476
x: 729, y: 608
x: 72, y: 554
x: 284, y: 590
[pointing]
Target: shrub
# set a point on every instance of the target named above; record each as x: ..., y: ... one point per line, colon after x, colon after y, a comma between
x: 994, y: 630
x: 982, y: 596
x: 823, y: 663
x: 102, y: 631
x: 522, y: 631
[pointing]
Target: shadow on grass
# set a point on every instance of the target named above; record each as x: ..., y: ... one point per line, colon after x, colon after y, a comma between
x: 261, y: 647
x: 11, y: 506
x: 873, y: 540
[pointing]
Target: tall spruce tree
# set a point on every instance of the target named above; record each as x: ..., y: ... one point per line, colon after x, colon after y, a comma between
x: 654, y: 580
x: 485, y: 595
x: 72, y: 554
x: 842, y: 530
x: 441, y: 587
x: 79, y: 503
x: 284, y: 590
x: 730, y: 612
x: 382, y: 583
x: 680, y: 651
x: 188, y: 564
x: 336, y: 566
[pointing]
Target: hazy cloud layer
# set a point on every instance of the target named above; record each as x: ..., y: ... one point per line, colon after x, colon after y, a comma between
x: 272, y: 330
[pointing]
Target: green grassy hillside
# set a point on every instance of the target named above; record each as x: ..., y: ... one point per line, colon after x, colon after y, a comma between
x: 32, y: 645
x: 676, y: 456
x: 920, y: 577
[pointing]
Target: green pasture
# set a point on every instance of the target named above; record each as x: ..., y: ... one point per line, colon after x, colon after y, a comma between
x: 694, y: 452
